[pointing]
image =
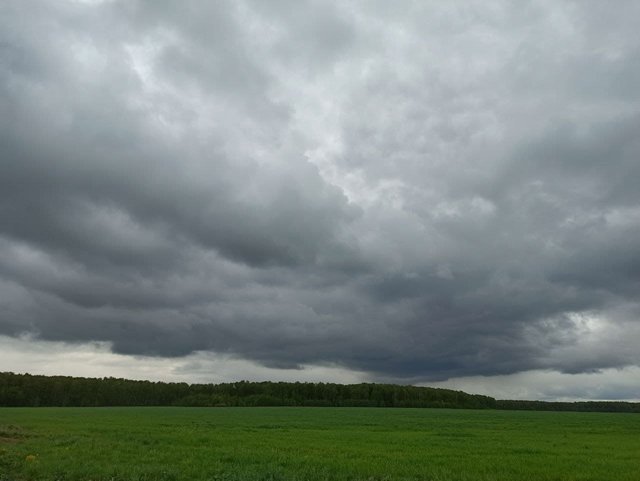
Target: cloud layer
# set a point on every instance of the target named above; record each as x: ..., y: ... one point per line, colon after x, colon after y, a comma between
x: 417, y: 191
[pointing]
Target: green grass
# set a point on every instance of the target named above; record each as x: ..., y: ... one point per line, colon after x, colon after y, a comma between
x: 270, y: 444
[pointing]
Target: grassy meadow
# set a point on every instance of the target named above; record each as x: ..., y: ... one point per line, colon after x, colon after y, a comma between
x: 251, y: 444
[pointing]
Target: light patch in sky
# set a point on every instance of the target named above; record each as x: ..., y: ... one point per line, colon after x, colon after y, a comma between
x: 25, y: 355
x: 543, y: 385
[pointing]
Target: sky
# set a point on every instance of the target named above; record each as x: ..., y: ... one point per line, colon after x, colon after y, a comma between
x: 417, y: 192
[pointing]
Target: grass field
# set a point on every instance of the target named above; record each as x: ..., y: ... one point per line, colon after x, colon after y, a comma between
x: 315, y: 444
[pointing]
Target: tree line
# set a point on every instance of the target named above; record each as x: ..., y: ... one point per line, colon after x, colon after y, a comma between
x: 35, y: 390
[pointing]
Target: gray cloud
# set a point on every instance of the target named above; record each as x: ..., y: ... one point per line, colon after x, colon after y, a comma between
x: 414, y: 191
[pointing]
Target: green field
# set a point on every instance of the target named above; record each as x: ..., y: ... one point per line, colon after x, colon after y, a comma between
x: 315, y: 444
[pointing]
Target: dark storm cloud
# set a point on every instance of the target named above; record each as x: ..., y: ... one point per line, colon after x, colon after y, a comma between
x: 420, y: 191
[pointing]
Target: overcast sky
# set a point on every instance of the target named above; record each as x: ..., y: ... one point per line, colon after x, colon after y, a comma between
x: 426, y: 192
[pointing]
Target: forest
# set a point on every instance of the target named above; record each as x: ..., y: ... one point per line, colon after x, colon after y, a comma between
x: 36, y: 390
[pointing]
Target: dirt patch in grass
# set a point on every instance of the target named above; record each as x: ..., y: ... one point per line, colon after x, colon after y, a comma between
x: 10, y: 434
x: 6, y: 440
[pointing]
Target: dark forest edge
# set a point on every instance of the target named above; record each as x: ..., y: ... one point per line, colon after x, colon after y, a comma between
x: 28, y: 390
